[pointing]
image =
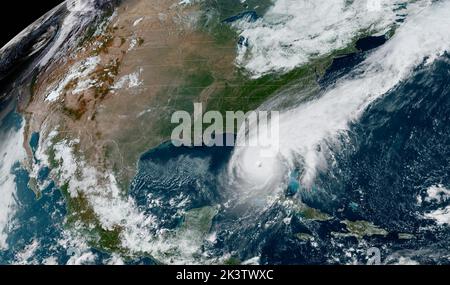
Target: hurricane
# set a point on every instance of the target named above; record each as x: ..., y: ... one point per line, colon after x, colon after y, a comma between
x: 353, y: 159
x: 308, y: 130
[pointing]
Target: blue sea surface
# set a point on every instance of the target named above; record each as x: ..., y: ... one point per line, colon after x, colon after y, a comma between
x: 38, y: 221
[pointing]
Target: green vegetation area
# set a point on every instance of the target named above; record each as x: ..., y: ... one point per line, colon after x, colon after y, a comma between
x: 229, y: 8
x: 314, y: 214
x: 241, y: 92
x: 95, y: 30
x: 361, y: 229
x: 220, y: 89
x: 198, y: 222
x: 200, y: 77
x: 80, y: 211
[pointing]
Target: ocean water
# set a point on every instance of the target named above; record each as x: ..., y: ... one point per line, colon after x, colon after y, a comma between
x: 380, y: 173
x: 34, y: 228
x: 179, y: 178
x: 398, y: 149
x: 33, y: 222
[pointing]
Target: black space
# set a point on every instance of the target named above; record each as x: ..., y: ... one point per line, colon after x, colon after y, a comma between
x: 16, y: 15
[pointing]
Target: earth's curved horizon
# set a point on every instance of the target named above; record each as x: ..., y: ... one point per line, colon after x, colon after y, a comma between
x: 89, y: 97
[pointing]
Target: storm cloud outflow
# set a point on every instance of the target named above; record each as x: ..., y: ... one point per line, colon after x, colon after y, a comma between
x: 307, y: 130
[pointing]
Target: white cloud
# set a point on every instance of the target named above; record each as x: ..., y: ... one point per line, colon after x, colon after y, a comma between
x: 78, y: 72
x: 11, y: 152
x: 25, y: 256
x: 132, y: 80
x: 437, y: 193
x: 307, y: 128
x: 292, y: 32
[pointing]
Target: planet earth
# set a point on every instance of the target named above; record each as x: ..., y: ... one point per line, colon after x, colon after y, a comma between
x: 89, y: 173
